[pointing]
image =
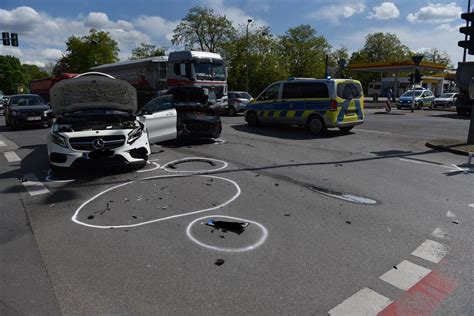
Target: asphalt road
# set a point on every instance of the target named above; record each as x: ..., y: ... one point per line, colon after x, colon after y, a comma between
x: 364, y: 222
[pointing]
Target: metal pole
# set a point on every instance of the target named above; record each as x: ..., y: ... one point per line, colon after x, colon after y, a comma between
x: 467, y: 24
x: 247, y: 55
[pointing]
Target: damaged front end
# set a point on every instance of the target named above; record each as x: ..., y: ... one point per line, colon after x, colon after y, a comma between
x: 197, y: 121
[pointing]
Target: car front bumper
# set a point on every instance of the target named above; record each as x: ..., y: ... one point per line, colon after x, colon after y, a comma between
x: 67, y: 157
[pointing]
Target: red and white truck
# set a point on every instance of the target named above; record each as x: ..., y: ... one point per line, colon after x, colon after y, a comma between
x: 41, y: 87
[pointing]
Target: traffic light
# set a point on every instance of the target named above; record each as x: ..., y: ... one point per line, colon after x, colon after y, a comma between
x: 6, y: 38
x: 469, y: 31
x: 418, y: 76
x: 14, y: 38
x: 411, y: 78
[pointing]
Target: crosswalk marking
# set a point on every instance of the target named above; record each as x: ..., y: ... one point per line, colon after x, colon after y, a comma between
x: 33, y: 185
x: 431, y: 250
x: 364, y: 302
x: 11, y: 156
x: 405, y: 275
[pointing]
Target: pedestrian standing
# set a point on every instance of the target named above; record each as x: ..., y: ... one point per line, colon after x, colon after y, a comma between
x: 388, y: 105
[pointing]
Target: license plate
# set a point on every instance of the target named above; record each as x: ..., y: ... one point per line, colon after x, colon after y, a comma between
x: 33, y: 118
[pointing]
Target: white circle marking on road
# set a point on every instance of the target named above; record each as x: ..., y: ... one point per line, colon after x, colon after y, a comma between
x: 191, y: 159
x: 76, y: 213
x: 157, y: 166
x: 259, y: 242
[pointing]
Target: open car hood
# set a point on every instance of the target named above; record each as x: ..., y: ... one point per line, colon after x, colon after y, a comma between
x: 93, y: 92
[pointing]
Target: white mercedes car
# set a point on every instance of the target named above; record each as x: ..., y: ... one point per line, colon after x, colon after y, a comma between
x: 96, y: 123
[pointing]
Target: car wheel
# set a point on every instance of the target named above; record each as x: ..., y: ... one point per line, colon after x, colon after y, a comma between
x: 346, y: 129
x: 232, y: 111
x: 252, y: 119
x: 316, y: 125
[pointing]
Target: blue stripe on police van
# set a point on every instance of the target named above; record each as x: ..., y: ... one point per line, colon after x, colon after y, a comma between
x: 283, y: 113
x: 270, y: 113
x: 261, y: 113
x: 358, y: 110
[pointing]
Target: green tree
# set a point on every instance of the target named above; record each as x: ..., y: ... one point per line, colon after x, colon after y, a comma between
x: 12, y: 75
x: 203, y: 28
x: 302, y: 52
x: 378, y: 47
x: 146, y: 50
x: 263, y: 60
x: 381, y: 47
x: 339, y: 57
x: 85, y: 52
x: 435, y: 55
x: 34, y: 72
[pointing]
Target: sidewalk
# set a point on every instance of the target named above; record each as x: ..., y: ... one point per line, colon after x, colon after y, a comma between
x: 454, y: 146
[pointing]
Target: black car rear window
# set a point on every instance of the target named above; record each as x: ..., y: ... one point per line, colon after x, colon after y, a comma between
x: 305, y: 90
x: 26, y: 100
x: 349, y: 90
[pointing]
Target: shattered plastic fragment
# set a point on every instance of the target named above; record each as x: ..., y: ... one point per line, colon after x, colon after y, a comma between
x: 90, y: 217
x: 219, y: 262
x: 234, y: 227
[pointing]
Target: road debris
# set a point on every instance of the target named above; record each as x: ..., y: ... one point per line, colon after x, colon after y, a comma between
x: 224, y: 226
x: 219, y: 262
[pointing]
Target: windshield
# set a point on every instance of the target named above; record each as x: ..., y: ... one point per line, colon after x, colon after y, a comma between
x: 26, y: 100
x: 410, y: 93
x: 209, y: 71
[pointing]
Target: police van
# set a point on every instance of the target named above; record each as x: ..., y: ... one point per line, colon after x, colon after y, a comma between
x: 317, y: 104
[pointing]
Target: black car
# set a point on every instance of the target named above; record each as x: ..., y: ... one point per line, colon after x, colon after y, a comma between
x: 26, y: 110
x: 195, y: 119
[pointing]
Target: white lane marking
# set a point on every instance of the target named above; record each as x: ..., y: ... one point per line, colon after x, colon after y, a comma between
x: 364, y: 302
x: 372, y: 131
x: 157, y: 166
x: 219, y: 141
x: 242, y: 249
x: 11, y: 156
x: 191, y: 159
x: 33, y: 185
x: 431, y: 250
x: 471, y: 205
x: 450, y: 214
x: 429, y: 164
x: 405, y: 275
x: 440, y: 233
x: 2, y: 143
x: 77, y: 221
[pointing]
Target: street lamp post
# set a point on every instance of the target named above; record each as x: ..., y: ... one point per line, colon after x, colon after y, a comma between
x: 247, y: 54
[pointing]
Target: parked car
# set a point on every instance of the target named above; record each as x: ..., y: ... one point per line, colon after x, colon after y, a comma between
x: 195, y: 118
x: 446, y: 99
x: 26, y: 110
x: 317, y: 104
x: 423, y: 97
x: 237, y: 102
x: 96, y: 122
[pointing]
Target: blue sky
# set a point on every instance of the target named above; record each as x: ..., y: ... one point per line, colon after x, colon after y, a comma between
x: 44, y: 26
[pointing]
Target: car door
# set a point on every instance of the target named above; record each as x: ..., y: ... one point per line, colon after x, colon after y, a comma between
x: 267, y: 102
x: 159, y: 116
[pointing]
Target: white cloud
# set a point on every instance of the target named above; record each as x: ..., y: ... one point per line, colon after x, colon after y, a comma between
x: 42, y: 37
x: 333, y: 13
x: 436, y: 13
x: 236, y: 15
x: 385, y: 11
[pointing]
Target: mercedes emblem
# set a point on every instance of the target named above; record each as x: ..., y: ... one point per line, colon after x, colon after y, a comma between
x: 98, y: 143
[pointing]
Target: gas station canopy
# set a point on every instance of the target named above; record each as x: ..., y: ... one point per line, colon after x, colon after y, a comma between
x: 396, y: 66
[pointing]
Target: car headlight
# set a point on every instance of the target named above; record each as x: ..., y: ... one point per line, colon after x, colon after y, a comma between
x: 58, y: 140
x: 135, y: 134
x: 15, y: 113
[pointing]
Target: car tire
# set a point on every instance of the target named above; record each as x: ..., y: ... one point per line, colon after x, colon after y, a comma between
x: 346, y: 129
x: 252, y: 119
x: 316, y: 126
x: 232, y: 111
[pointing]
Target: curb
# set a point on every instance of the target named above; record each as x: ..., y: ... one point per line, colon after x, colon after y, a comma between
x: 447, y: 149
